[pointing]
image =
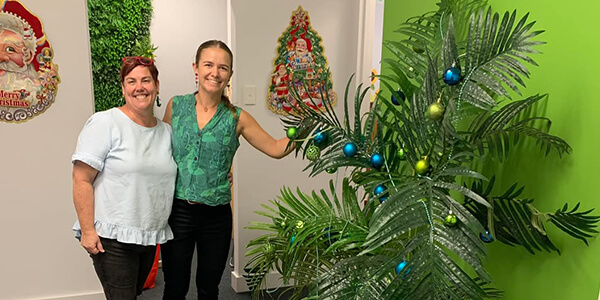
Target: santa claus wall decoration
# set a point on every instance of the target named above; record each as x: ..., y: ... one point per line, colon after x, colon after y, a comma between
x: 300, y: 70
x: 28, y: 77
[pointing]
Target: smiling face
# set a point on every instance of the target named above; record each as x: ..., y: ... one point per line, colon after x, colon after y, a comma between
x: 214, y: 70
x: 14, y: 55
x: 301, y: 47
x: 140, y: 89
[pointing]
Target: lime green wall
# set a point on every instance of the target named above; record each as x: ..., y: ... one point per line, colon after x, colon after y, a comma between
x: 569, y: 72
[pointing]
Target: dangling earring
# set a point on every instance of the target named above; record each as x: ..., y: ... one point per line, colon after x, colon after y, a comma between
x: 196, y: 74
x: 157, y: 101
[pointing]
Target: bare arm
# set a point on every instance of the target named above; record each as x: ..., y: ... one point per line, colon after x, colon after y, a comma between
x: 83, y: 198
x: 260, y: 139
x: 168, y: 112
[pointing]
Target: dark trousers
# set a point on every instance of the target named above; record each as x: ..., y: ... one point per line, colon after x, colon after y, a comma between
x: 206, y: 228
x: 123, y: 268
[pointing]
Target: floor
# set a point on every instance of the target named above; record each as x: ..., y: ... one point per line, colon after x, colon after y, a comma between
x: 225, y: 290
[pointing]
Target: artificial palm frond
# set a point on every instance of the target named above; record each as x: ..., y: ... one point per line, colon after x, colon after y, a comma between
x: 518, y: 222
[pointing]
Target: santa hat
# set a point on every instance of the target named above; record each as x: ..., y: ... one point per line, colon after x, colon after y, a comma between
x: 35, y: 29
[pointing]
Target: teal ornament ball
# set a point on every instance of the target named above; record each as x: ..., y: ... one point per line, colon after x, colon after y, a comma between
x: 292, y: 132
x: 401, y: 267
x: 331, y: 170
x: 313, y: 152
x: 350, y: 149
x: 451, y: 219
x: 377, y: 161
x: 486, y: 237
x: 452, y: 76
x: 381, y: 192
x: 320, y: 137
x: 398, y: 95
x: 293, y: 239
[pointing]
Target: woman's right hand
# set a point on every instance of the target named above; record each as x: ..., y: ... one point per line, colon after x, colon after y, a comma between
x: 91, y: 243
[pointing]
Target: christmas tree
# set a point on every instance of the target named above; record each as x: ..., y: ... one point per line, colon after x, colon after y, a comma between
x: 300, y: 65
x: 425, y: 158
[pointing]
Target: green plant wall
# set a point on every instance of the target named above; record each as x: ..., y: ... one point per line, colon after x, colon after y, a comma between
x: 115, y: 26
x: 568, y: 71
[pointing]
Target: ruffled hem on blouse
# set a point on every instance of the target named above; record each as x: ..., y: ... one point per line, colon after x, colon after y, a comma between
x: 129, y: 235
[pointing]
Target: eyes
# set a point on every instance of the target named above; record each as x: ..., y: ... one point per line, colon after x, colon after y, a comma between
x: 10, y: 49
x: 224, y: 68
x: 133, y: 81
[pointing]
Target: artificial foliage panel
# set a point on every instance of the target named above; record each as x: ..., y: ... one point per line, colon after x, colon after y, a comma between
x: 115, y: 27
x: 28, y: 76
x: 425, y: 158
x: 300, y: 70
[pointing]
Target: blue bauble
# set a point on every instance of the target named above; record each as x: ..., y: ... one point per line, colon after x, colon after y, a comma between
x: 396, y: 95
x: 383, y: 197
x: 379, y: 189
x: 401, y: 267
x: 320, y: 137
x: 376, y: 160
x: 486, y: 237
x: 452, y: 76
x: 293, y: 239
x: 350, y: 149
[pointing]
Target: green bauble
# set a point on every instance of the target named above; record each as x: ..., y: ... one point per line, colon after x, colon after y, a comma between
x: 435, y: 111
x: 418, y: 49
x: 331, y: 170
x: 313, y: 152
x: 451, y: 219
x: 401, y: 154
x: 292, y: 132
x: 422, y: 167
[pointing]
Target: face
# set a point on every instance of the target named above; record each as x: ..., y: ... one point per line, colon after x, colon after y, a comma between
x: 301, y: 46
x: 281, y: 70
x: 214, y: 70
x: 139, y: 89
x: 14, y: 56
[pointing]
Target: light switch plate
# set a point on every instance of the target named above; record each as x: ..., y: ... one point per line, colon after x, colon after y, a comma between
x: 249, y: 95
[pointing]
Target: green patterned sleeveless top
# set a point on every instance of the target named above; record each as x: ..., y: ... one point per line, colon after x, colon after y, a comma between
x: 203, y: 156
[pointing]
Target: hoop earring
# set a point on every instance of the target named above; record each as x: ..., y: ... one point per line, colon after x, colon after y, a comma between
x: 157, y: 101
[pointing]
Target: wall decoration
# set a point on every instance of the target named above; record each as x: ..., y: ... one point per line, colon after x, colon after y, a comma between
x: 28, y: 77
x: 300, y: 70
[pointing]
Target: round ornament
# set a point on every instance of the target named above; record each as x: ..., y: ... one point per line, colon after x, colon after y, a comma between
x: 331, y: 170
x: 381, y: 192
x: 293, y: 239
x: 435, y: 111
x: 396, y: 95
x: 422, y: 167
x: 377, y: 161
x: 401, y: 266
x: 292, y: 132
x: 451, y: 219
x: 300, y: 224
x: 313, y: 152
x: 401, y: 154
x: 452, y: 76
x: 418, y: 49
x: 350, y: 149
x: 486, y: 237
x: 320, y: 137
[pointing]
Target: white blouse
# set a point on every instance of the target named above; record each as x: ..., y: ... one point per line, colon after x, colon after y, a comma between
x: 133, y: 191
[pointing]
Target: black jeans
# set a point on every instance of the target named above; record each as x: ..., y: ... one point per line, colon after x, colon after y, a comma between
x: 206, y: 228
x: 123, y: 268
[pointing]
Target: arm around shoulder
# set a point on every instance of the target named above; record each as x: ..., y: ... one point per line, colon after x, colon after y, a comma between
x: 260, y: 139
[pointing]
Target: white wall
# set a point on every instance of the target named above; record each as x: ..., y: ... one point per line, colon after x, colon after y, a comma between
x: 257, y: 27
x: 178, y: 30
x: 39, y: 257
